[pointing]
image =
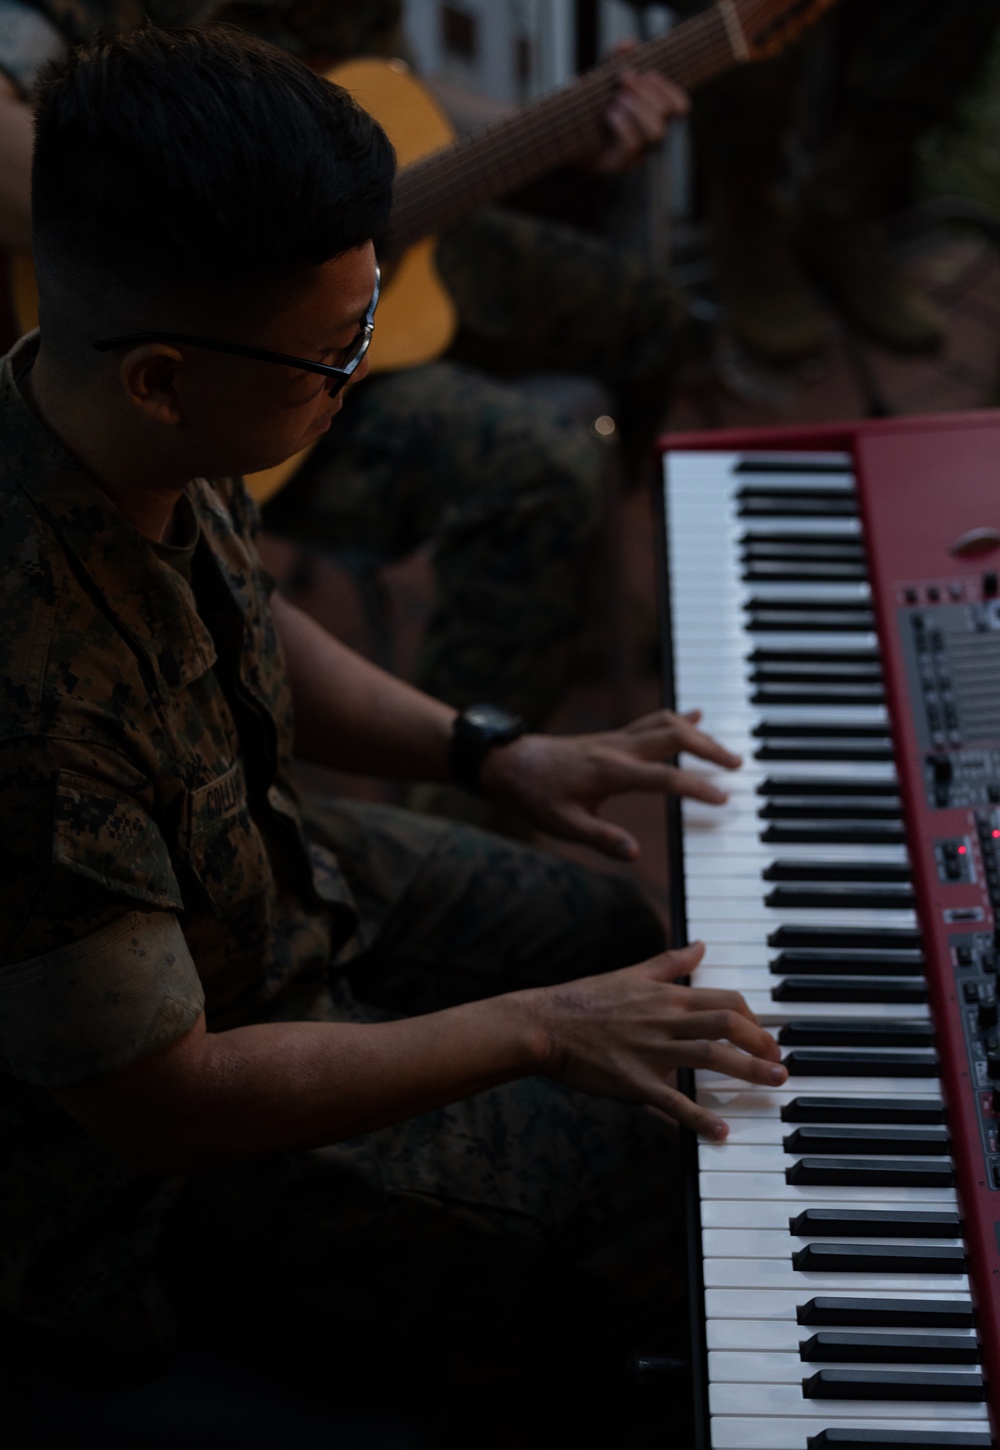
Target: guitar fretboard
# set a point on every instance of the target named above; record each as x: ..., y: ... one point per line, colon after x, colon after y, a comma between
x: 434, y: 193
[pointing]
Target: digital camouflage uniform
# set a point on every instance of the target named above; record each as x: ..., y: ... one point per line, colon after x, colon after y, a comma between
x: 508, y: 481
x: 156, y: 861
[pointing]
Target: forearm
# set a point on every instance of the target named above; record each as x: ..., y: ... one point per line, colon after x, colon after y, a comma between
x: 352, y: 715
x: 16, y: 145
x: 254, y: 1091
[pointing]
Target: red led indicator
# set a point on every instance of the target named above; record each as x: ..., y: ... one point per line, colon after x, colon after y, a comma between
x: 996, y: 835
x: 962, y: 850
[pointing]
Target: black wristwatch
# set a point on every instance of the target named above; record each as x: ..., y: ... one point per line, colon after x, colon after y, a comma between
x: 476, y: 731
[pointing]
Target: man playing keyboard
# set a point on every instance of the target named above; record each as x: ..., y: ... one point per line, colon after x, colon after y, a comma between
x: 397, y: 1065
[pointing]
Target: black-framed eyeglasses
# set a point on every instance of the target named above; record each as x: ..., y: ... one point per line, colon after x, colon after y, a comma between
x: 341, y: 376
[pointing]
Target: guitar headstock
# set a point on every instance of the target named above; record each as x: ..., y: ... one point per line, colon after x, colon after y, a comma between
x: 769, y: 25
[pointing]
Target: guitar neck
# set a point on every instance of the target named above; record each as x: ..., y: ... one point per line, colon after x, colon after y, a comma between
x: 436, y: 192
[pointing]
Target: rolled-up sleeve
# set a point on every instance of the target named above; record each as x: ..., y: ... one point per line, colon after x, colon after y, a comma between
x: 95, y: 1005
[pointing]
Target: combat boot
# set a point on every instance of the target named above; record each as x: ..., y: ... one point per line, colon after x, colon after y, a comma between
x: 844, y: 243
x: 768, y: 304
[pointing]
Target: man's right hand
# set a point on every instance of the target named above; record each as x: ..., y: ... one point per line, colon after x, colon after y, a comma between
x: 623, y: 1034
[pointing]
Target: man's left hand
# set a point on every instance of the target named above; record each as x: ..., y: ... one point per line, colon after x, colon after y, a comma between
x: 637, y: 119
x: 561, y: 781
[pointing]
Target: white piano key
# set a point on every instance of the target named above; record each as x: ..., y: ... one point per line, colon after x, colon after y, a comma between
x: 765, y: 1104
x: 779, y: 1274
x: 777, y: 1367
x: 751, y: 1334
x: 760, y: 1157
x: 788, y: 1400
x: 775, y: 1014
x: 780, y: 1243
x: 764, y: 1305
x: 771, y: 1131
x: 743, y: 1185
x: 723, y: 1214
x: 740, y: 1432
x: 919, y: 1087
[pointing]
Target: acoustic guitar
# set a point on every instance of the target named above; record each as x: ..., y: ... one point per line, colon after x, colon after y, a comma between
x: 442, y: 178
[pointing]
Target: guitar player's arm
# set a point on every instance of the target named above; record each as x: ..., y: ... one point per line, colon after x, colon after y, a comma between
x: 16, y: 141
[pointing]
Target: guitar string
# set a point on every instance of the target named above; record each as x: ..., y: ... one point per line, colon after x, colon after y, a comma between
x: 468, y: 165
x: 466, y: 173
x: 550, y: 126
x: 579, y: 105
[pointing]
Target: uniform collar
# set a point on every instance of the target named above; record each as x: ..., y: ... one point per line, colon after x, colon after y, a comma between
x: 149, y: 599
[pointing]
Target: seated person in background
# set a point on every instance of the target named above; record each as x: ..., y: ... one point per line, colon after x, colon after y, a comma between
x: 505, y: 478
x: 899, y: 68
x: 395, y: 1064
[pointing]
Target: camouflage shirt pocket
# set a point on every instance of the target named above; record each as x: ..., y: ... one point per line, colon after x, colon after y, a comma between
x: 225, y: 848
x: 111, y: 840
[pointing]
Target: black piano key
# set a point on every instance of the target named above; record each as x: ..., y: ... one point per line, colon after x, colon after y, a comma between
x: 806, y: 654
x: 871, y: 1173
x: 907, y: 1223
x: 879, y: 1259
x: 831, y: 1310
x: 878, y: 938
x: 777, y: 467
x: 841, y: 897
x: 837, y: 962
x: 806, y: 571
x: 830, y: 808
x: 799, y: 622
x: 823, y: 1108
x: 852, y: 1032
x: 826, y: 730
x: 802, y: 785
x: 873, y: 751
x: 799, y: 870
x: 866, y: 676
x: 831, y: 1347
x: 842, y: 1062
x: 887, y: 1384
x: 849, y: 989
x: 876, y: 1438
x: 836, y: 695
x: 774, y: 506
x: 834, y: 833
x: 805, y: 604
x: 761, y: 540
x: 884, y: 1138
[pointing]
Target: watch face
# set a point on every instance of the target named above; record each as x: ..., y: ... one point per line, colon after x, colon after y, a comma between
x: 491, y: 718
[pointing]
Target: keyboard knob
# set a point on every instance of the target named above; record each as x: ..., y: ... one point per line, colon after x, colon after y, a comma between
x: 987, y: 1013
x: 993, y: 1067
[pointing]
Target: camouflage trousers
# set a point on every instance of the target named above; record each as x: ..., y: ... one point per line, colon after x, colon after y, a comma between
x: 523, y: 1197
x: 491, y: 1210
x: 505, y: 477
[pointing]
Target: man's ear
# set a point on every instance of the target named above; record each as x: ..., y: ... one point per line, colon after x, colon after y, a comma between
x: 149, y: 377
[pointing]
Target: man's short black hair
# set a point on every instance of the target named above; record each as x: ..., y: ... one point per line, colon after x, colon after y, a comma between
x: 200, y: 156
